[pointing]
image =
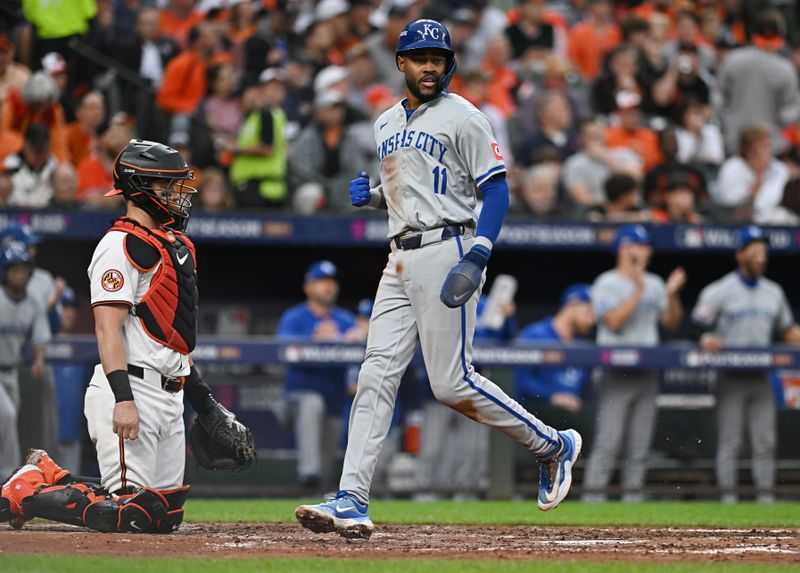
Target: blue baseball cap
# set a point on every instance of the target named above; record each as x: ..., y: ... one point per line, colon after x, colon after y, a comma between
x: 18, y: 232
x: 631, y: 234
x: 579, y: 292
x: 321, y: 270
x: 365, y: 307
x: 750, y: 234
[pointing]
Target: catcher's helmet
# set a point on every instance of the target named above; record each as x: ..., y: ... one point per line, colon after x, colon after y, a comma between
x: 422, y: 34
x: 141, y: 163
x: 13, y: 253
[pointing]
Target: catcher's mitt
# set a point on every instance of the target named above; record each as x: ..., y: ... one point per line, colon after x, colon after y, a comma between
x: 220, y: 441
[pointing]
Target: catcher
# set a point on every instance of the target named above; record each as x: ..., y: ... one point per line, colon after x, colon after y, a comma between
x: 144, y: 298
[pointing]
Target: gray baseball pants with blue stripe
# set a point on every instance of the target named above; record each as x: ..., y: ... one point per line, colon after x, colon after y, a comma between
x: 408, y: 310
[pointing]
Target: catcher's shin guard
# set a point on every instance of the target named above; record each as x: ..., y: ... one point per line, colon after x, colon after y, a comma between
x: 62, y: 503
x: 175, y: 500
x: 141, y: 512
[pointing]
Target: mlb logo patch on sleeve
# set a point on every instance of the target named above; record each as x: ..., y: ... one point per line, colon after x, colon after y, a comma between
x: 496, y: 150
x: 112, y: 280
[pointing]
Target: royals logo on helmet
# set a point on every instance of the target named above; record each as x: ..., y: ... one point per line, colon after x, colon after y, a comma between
x: 432, y: 31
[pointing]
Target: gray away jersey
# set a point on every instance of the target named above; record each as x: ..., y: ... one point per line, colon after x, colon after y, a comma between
x: 20, y: 321
x: 742, y: 315
x: 610, y: 290
x: 431, y: 163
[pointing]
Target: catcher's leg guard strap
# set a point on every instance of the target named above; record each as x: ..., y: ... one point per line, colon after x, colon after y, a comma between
x: 144, y: 511
x: 65, y: 504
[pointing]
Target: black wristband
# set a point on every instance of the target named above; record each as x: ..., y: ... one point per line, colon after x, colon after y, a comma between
x: 120, y: 385
x: 196, y: 391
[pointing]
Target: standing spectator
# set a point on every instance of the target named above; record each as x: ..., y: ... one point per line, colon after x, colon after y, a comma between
x: 316, y: 394
x: 218, y: 118
x: 325, y: 150
x: 751, y: 184
x: 679, y: 203
x: 95, y: 173
x: 177, y: 20
x: 557, y: 393
x: 758, y: 86
x: 37, y: 102
x: 531, y: 38
x: 586, y: 172
x: 745, y: 309
x: 55, y: 28
x: 22, y: 318
x: 184, y: 82
x: 81, y: 134
x: 593, y: 38
x: 258, y: 170
x: 30, y: 170
x: 213, y: 193
x: 630, y: 304
x: 629, y: 131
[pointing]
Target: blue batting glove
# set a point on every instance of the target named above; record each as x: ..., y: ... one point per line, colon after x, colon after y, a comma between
x: 465, y: 278
x: 359, y: 190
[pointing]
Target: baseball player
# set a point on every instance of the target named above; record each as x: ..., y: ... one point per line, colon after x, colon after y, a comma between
x: 745, y: 309
x: 435, y: 150
x: 562, y: 387
x: 316, y: 394
x: 143, y: 284
x: 22, y: 318
x: 630, y: 304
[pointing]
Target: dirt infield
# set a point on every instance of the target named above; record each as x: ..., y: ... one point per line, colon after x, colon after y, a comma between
x: 421, y: 541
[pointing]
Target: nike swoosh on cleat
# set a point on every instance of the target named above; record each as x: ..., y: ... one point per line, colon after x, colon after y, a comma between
x: 182, y: 260
x: 345, y: 507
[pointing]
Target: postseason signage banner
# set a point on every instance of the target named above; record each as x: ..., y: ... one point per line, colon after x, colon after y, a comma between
x: 238, y: 228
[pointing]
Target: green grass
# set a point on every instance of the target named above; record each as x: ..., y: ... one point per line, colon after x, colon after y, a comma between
x: 696, y: 514
x: 75, y: 564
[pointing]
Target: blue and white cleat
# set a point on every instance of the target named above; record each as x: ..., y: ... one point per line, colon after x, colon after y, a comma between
x: 555, y: 475
x: 343, y: 514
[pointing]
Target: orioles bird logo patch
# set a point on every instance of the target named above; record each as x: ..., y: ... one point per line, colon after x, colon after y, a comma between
x: 112, y: 280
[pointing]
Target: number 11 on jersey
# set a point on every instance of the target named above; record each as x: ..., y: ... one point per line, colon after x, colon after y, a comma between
x: 436, y: 188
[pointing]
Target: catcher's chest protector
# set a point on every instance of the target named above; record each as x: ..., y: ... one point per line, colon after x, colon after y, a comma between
x: 168, y: 310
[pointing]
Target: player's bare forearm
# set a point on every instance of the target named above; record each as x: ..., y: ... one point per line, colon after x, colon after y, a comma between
x: 109, y: 319
x: 671, y: 319
x: 38, y: 361
x: 619, y: 315
x: 792, y: 335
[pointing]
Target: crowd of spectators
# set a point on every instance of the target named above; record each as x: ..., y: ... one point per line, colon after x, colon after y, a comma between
x: 652, y: 110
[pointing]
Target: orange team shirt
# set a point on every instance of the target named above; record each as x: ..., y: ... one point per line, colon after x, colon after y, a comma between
x: 184, y: 84
x: 16, y: 116
x: 170, y: 26
x: 642, y: 141
x: 79, y: 143
x: 93, y: 178
x: 587, y: 45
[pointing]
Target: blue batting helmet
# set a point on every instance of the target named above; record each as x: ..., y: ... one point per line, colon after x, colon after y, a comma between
x: 12, y: 253
x: 422, y: 34
x: 17, y: 232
